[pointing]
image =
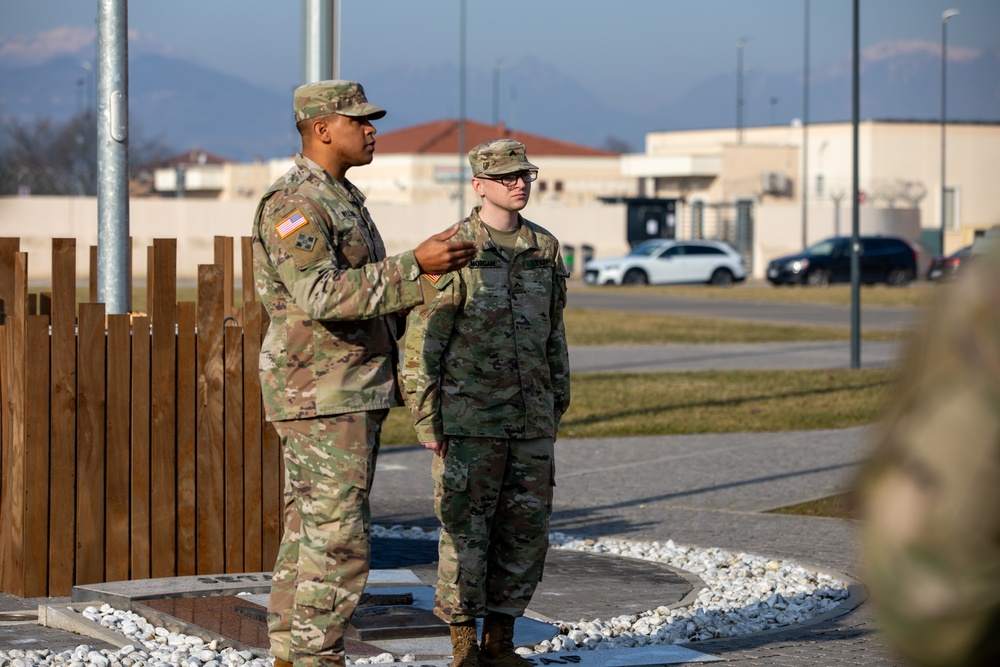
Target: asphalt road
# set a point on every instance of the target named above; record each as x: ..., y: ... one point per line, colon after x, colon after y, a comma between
x: 891, y: 319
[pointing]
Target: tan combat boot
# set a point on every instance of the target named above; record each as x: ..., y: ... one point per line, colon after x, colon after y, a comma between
x: 464, y: 647
x: 498, y: 643
x: 281, y: 663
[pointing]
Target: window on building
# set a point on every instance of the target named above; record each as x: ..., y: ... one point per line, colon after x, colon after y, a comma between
x: 952, y: 209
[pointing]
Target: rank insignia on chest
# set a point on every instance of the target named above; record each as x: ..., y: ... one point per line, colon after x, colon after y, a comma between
x: 294, y: 221
x: 305, y: 241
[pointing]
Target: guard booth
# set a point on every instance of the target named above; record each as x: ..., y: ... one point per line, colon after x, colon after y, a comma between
x: 647, y: 218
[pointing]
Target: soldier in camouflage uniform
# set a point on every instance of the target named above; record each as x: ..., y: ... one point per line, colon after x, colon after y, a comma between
x: 931, y: 491
x: 328, y: 363
x: 486, y: 374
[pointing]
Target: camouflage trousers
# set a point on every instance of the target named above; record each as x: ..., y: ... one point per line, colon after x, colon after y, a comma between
x: 494, y: 499
x: 322, y: 564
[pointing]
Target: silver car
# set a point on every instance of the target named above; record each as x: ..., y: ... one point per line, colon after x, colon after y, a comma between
x: 665, y: 261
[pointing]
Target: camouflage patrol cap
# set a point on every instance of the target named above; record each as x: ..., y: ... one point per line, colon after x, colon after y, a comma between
x: 498, y: 157
x: 335, y: 96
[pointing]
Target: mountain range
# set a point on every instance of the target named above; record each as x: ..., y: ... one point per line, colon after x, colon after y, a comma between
x: 190, y: 106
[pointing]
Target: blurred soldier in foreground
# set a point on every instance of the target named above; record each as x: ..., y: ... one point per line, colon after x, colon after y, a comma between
x: 486, y: 374
x: 931, y: 492
x: 328, y: 363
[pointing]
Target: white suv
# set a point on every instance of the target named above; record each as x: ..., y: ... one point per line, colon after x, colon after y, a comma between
x: 665, y: 261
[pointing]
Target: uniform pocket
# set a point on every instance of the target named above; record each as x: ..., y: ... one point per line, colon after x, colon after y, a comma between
x: 451, y: 473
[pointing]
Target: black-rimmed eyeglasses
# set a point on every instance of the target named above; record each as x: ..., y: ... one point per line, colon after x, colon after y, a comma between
x: 510, y: 180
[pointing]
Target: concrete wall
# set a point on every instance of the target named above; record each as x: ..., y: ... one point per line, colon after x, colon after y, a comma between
x: 195, y: 223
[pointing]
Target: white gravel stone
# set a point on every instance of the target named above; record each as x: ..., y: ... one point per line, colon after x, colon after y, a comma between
x: 743, y: 594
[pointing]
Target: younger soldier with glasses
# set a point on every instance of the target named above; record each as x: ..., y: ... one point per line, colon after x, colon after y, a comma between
x: 486, y: 373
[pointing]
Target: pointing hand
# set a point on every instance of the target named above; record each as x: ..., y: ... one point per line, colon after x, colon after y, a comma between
x: 439, y: 255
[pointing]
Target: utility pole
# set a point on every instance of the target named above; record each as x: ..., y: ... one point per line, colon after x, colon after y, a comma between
x: 113, y: 240
x: 320, y: 40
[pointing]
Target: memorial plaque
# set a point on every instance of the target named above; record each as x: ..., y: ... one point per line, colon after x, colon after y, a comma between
x: 397, y: 620
x: 229, y: 617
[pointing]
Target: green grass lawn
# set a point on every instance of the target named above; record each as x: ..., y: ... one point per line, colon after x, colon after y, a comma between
x: 914, y: 295
x: 625, y: 404
x: 840, y: 506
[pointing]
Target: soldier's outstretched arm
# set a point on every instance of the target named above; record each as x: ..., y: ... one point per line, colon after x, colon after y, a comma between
x: 439, y: 255
x: 297, y: 247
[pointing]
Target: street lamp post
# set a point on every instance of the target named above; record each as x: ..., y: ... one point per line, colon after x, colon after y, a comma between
x: 804, y: 189
x: 461, y: 107
x: 740, y: 73
x: 947, y: 14
x: 496, y: 92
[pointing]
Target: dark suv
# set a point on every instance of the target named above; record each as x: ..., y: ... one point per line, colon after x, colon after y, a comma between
x: 884, y: 259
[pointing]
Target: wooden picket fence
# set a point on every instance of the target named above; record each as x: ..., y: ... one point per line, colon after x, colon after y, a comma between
x: 133, y: 446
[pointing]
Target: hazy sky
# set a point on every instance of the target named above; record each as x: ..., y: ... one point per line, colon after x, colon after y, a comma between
x: 609, y: 46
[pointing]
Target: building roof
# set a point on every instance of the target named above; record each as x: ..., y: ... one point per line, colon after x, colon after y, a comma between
x: 195, y: 156
x: 440, y: 137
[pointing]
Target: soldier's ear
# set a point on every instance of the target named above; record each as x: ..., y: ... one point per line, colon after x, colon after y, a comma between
x: 477, y: 186
x: 321, y: 130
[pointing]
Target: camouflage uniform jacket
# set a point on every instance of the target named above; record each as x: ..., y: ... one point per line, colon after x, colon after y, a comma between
x: 320, y: 269
x: 486, y: 355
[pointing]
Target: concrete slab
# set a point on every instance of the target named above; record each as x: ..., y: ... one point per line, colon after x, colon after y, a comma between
x: 650, y: 656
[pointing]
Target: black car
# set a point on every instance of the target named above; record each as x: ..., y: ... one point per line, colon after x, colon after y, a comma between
x: 884, y: 259
x: 945, y: 268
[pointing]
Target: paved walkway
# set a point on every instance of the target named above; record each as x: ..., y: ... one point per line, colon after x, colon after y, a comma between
x: 702, y: 490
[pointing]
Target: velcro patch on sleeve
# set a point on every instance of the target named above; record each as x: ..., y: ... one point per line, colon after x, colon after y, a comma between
x: 290, y: 224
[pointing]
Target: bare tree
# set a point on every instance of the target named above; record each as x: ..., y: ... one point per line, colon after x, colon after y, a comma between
x: 616, y: 145
x: 45, y: 157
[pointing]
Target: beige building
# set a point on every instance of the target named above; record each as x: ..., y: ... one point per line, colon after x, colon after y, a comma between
x: 899, y: 171
x: 421, y: 164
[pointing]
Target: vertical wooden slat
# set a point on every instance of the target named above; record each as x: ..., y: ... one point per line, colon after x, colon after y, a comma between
x: 140, y: 501
x: 45, y: 303
x: 163, y: 471
x: 224, y: 257
x: 90, y: 459
x: 8, y: 254
x: 62, y: 471
x: 234, y: 499
x: 13, y: 495
x: 187, y: 377
x: 247, y: 287
x: 150, y: 275
x: 36, y: 516
x: 117, y: 488
x: 211, y: 529
x: 252, y: 463
x: 92, y: 281
x: 273, y: 480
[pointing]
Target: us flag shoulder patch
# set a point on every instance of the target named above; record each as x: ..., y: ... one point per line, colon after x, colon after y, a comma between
x: 433, y: 277
x: 291, y: 223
